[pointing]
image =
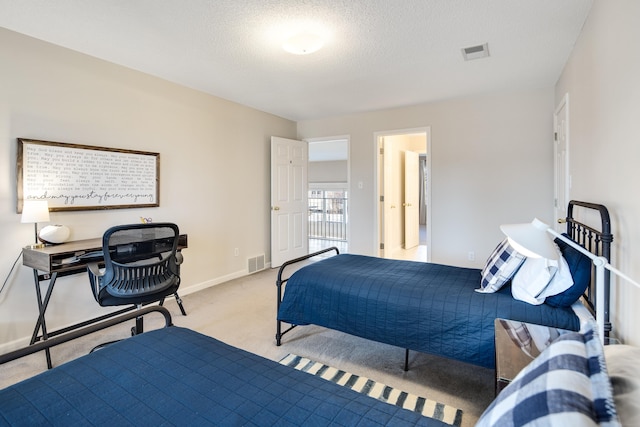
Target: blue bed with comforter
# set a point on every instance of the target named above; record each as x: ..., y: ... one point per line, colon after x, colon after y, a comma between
x: 175, y: 376
x: 419, y: 306
x: 435, y: 308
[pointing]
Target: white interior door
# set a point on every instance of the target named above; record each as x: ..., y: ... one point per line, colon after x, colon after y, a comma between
x: 380, y: 196
x: 289, y: 206
x: 411, y: 199
x: 391, y: 200
x: 561, y: 155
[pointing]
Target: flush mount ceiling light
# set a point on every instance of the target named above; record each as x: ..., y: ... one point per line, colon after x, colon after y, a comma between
x: 475, y: 52
x: 303, y: 43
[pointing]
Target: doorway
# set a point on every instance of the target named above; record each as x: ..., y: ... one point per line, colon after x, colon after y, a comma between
x: 328, y: 195
x: 403, y: 194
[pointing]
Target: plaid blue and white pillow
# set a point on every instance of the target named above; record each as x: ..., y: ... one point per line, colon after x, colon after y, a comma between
x: 566, y: 385
x: 501, y: 266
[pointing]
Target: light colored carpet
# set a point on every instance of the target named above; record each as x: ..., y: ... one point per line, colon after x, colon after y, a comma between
x: 242, y: 313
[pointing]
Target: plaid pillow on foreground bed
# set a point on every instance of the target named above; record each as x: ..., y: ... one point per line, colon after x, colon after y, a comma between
x: 567, y: 385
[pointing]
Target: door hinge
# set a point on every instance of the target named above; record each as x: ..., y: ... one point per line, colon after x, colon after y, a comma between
x: 382, y: 198
x: 555, y: 136
x: 381, y: 151
x: 381, y: 245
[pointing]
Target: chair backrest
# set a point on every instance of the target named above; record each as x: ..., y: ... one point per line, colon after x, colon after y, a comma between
x: 140, y: 259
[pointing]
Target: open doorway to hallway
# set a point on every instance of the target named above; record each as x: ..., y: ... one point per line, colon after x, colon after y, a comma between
x: 403, y: 191
x: 328, y: 193
x: 328, y: 216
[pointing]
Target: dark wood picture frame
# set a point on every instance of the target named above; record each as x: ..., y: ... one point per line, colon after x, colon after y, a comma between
x: 74, y: 177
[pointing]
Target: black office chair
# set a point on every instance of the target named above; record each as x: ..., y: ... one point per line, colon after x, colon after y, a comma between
x: 141, y: 265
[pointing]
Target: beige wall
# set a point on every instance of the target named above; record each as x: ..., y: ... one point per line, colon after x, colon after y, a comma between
x: 492, y: 163
x: 601, y: 78
x: 210, y: 185
x: 329, y: 171
x: 416, y: 143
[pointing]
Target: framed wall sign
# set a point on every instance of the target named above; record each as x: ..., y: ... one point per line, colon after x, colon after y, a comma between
x: 85, y: 177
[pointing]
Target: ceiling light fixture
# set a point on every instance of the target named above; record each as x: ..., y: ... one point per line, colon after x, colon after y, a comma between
x: 303, y: 43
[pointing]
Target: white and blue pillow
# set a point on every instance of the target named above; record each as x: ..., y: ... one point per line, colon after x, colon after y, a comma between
x: 540, y: 278
x: 566, y: 385
x: 502, y: 264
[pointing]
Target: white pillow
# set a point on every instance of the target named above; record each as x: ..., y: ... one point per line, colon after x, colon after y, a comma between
x: 539, y: 278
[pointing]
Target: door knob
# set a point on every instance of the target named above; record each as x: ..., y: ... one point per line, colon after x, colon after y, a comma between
x: 276, y: 208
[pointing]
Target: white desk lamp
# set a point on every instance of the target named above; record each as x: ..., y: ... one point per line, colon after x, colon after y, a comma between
x: 35, y: 211
x: 533, y: 240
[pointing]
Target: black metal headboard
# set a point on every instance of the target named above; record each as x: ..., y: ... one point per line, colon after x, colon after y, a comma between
x: 597, y: 242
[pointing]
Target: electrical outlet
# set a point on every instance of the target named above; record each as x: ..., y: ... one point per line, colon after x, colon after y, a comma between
x: 236, y: 252
x: 471, y: 256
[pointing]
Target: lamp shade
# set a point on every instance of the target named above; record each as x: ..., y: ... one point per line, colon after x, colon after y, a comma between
x: 531, y: 239
x: 35, y: 211
x: 303, y: 43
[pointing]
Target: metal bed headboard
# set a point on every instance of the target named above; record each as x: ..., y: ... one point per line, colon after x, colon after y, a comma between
x: 597, y: 242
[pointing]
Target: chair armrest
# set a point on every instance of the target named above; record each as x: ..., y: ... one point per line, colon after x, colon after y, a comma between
x: 94, y: 272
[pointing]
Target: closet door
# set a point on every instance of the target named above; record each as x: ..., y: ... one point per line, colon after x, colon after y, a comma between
x: 411, y: 199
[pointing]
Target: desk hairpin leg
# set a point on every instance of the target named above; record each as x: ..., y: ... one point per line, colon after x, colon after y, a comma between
x: 42, y: 308
x: 41, y: 324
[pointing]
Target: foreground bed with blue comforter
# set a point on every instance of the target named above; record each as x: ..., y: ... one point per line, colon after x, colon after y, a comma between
x: 175, y: 376
x: 419, y: 306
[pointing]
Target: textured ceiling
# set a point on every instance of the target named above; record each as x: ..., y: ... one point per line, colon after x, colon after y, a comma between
x: 380, y: 53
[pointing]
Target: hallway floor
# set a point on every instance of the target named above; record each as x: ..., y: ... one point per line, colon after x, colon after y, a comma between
x: 418, y: 253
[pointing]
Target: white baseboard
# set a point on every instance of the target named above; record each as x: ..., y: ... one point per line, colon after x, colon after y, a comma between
x: 14, y: 345
x: 209, y: 283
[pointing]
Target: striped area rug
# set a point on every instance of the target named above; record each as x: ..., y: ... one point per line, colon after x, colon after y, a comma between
x: 427, y: 407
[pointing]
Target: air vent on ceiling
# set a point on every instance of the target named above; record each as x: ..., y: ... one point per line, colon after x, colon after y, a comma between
x: 475, y: 52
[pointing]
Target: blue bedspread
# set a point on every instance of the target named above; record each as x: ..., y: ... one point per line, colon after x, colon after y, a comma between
x: 176, y: 376
x: 425, y: 307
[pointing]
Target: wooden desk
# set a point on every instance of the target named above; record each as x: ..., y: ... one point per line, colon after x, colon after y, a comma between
x: 54, y: 261
x: 70, y: 257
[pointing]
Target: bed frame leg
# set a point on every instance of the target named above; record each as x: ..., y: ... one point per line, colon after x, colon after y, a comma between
x: 406, y: 359
x: 278, y: 333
